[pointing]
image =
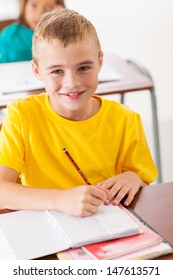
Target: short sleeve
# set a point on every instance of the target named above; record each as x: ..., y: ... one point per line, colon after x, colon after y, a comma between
x: 137, y: 156
x: 11, y: 141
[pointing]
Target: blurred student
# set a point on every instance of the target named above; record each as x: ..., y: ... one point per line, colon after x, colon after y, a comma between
x: 105, y: 138
x: 16, y: 39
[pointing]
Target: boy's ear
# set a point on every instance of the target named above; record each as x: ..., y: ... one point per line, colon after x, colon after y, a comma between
x: 35, y: 70
x: 101, y: 60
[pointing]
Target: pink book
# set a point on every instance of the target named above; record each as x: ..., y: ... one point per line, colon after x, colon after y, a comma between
x: 123, y: 246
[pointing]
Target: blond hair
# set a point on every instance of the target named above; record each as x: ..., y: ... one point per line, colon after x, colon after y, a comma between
x: 65, y: 27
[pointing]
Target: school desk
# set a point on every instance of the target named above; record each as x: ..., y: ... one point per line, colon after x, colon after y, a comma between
x: 6, y: 22
x: 129, y: 77
x: 154, y: 204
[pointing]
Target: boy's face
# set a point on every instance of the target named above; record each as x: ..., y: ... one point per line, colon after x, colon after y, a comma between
x: 70, y: 75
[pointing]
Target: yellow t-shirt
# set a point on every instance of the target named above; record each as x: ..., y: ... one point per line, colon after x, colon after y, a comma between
x: 111, y: 142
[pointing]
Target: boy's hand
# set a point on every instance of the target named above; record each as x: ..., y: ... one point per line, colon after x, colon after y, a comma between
x: 82, y: 201
x: 127, y: 183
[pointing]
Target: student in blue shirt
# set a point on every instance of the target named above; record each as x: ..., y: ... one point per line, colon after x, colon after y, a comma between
x: 16, y: 39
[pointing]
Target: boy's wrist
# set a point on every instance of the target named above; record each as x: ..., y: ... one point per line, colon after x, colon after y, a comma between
x: 55, y: 201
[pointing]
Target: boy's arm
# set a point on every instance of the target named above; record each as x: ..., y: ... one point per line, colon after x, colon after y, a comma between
x: 79, y: 201
x: 17, y: 197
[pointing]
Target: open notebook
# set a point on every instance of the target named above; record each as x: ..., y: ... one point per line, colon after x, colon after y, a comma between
x: 32, y: 234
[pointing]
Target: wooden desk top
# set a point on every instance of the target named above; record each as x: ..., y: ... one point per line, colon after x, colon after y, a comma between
x: 6, y: 22
x: 131, y: 79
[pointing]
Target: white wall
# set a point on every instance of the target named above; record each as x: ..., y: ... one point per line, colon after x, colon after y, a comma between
x: 9, y: 9
x: 141, y: 30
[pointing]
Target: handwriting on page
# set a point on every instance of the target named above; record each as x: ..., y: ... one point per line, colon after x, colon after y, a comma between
x: 110, y: 222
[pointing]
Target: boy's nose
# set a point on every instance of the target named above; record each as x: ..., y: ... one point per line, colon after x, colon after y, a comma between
x: 72, y: 81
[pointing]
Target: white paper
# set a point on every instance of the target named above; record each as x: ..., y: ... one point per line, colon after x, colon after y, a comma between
x: 10, y: 97
x: 6, y: 252
x: 30, y: 235
x: 110, y: 222
x: 16, y: 77
x: 108, y: 73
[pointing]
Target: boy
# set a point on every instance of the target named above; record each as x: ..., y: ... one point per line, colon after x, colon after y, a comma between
x: 105, y: 138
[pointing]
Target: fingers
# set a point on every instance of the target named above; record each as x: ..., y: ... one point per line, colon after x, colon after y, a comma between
x: 122, y: 185
x: 85, y: 200
x: 121, y: 194
x: 125, y: 191
x: 90, y: 207
x: 89, y: 210
x: 129, y: 199
x: 95, y: 201
x: 118, y: 191
x: 90, y: 200
x: 107, y: 184
x: 100, y: 193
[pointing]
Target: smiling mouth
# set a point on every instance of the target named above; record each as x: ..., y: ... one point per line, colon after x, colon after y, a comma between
x: 72, y: 93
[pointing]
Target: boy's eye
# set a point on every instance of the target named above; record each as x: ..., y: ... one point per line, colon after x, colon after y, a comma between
x: 84, y: 68
x: 57, y: 71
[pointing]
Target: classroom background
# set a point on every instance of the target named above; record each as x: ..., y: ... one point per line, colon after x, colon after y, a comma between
x: 141, y: 31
